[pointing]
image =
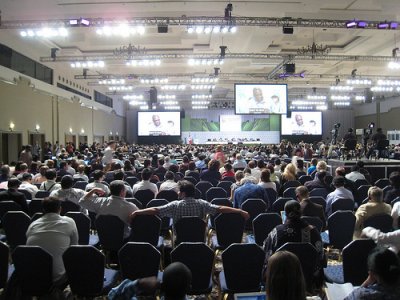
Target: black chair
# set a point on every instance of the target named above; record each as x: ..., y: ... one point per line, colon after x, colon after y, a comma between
x: 383, y: 222
x: 199, y: 258
x: 195, y: 175
x: 191, y: 179
x: 146, y: 229
x: 361, y: 193
x: 215, y: 192
x: 230, y: 179
x: 308, y: 257
x: 28, y: 195
x: 136, y: 202
x: 254, y: 207
x: 189, y: 229
x: 314, y: 221
x: 42, y: 194
x: 35, y: 206
x: 139, y: 260
x: 6, y: 206
x: 80, y: 185
x: 36, y: 216
x: 87, y: 277
x: 166, y: 224
x: 15, y: 224
x: 360, y: 182
x: 82, y: 222
x: 304, y: 178
x: 242, y: 266
x: 67, y: 206
x: 382, y: 148
x: 263, y: 225
x: 343, y: 204
x: 229, y: 229
x: 131, y: 180
x: 279, y: 205
x: 318, y: 200
x: 203, y: 187
x: 33, y: 270
x: 197, y: 194
x: 341, y: 228
x: 382, y: 183
x: 144, y: 196
x: 226, y: 185
x: 319, y: 192
x: 397, y: 199
x: 4, y: 266
x: 290, y: 183
x: 386, y: 189
x: 110, y: 230
x: 169, y: 195
x: 290, y: 193
x: 272, y: 196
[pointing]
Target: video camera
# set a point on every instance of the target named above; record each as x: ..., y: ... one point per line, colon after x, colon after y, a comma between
x: 368, y: 130
x: 334, y: 132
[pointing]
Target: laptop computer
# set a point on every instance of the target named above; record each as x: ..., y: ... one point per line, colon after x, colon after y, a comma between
x: 251, y: 296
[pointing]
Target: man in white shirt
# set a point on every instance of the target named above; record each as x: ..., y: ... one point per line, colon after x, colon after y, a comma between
x: 27, y: 184
x: 145, y: 183
x: 54, y: 234
x: 169, y: 183
x: 391, y: 239
x: 108, y: 154
x: 98, y: 176
x: 355, y: 174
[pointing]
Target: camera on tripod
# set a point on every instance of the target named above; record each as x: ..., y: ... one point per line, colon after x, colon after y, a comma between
x: 368, y: 130
x: 334, y: 132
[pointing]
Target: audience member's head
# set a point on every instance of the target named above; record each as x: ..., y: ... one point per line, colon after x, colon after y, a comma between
x: 375, y: 194
x: 67, y: 182
x: 117, y: 188
x: 340, y: 171
x: 239, y: 175
x: 176, y: 281
x: 302, y: 193
x: 81, y: 169
x: 26, y: 177
x: 321, y: 166
x: 146, y: 174
x: 321, y: 175
x: 98, y: 175
x: 169, y: 175
x: 384, y: 265
x: 213, y: 165
x: 265, y: 175
x: 395, y: 179
x: 292, y: 210
x: 285, y: 279
x: 314, y: 161
x: 51, y: 174
x: 51, y: 205
x: 13, y: 183
x: 338, y: 181
x: 186, y: 188
x: 119, y: 175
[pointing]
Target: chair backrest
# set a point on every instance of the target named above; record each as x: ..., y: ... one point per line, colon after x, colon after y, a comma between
x: 15, y: 224
x: 341, y: 228
x: 144, y: 196
x: 82, y: 222
x: 290, y: 192
x: 131, y: 180
x: 263, y: 225
x: 34, y: 269
x: 28, y: 195
x: 81, y: 185
x: 230, y: 179
x: 111, y: 232
x: 242, y: 265
x: 203, y: 187
x: 397, y: 199
x: 199, y: 258
x: 6, y: 206
x: 42, y: 194
x: 215, y: 192
x: 290, y: 183
x: 146, y: 229
x: 314, y: 221
x: 36, y: 216
x: 382, y: 183
x: 135, y: 201
x: 254, y: 207
x: 318, y: 200
x: 308, y: 257
x: 355, y: 255
x: 67, y: 206
x: 191, y: 179
x: 229, y: 229
x: 84, y: 266
x: 198, y: 194
x: 195, y: 175
x: 35, y: 206
x: 304, y: 178
x: 169, y: 195
x: 138, y: 260
x: 220, y: 202
x: 190, y: 229
x: 279, y: 204
x: 321, y: 192
x: 4, y: 258
x: 226, y: 185
x: 361, y: 193
x: 360, y: 182
x: 343, y: 204
x: 272, y: 196
x: 383, y: 222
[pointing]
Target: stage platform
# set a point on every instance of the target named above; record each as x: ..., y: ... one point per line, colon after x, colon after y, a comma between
x: 380, y: 168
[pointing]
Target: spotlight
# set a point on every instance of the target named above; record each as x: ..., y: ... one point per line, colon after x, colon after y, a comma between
x: 362, y: 24
x: 351, y: 24
x: 223, y: 51
x: 73, y: 22
x: 53, y: 53
x: 394, y: 25
x: 384, y: 25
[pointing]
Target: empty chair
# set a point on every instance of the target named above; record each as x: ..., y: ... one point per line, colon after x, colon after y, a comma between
x: 304, y: 178
x: 6, y: 206
x: 383, y: 222
x: 226, y: 185
x: 360, y: 182
x: 199, y: 258
x: 84, y: 266
x: 169, y: 195
x: 341, y: 228
x: 272, y: 196
x: 15, y: 224
x: 290, y: 193
x: 229, y: 230
x: 215, y: 192
x: 314, y: 221
x: 27, y: 194
x: 242, y: 266
x: 254, y: 207
x: 290, y: 183
x: 139, y: 260
x: 111, y: 232
x: 146, y: 229
x: 263, y: 225
x: 279, y: 205
x: 321, y: 192
x: 203, y: 187
x: 361, y: 193
x: 131, y: 180
x: 82, y: 222
x: 343, y: 204
x: 190, y: 229
x: 35, y: 206
x: 219, y: 202
x: 33, y: 270
x: 318, y: 200
x: 80, y: 185
x: 67, y: 206
x: 144, y: 196
x: 308, y: 257
x: 382, y: 183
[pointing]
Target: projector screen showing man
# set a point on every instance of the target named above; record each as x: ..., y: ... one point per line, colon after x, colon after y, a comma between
x: 156, y: 127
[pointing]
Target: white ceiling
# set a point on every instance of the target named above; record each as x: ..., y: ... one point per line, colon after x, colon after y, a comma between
x: 252, y: 40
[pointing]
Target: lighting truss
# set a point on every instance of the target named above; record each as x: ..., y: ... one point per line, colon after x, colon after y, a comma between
x: 88, y: 64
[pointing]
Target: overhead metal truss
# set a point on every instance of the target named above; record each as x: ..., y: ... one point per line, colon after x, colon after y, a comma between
x: 190, y: 21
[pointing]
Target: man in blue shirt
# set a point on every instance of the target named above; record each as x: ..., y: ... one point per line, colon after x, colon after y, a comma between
x: 249, y: 189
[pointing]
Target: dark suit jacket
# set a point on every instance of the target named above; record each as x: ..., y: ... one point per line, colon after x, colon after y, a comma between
x: 18, y: 197
x: 311, y: 209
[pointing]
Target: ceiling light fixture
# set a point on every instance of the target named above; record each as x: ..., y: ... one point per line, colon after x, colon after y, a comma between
x: 144, y: 63
x: 205, y: 62
x: 88, y: 64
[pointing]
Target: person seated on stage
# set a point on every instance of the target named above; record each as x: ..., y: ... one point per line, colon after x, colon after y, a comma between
x: 376, y: 137
x: 349, y: 135
x: 383, y: 280
x: 374, y: 206
x: 393, y: 193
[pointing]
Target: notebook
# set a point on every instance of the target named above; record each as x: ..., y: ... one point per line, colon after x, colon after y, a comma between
x: 250, y: 296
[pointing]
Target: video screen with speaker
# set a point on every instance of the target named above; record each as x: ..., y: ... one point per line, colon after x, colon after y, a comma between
x: 159, y: 123
x: 302, y: 122
x: 259, y: 99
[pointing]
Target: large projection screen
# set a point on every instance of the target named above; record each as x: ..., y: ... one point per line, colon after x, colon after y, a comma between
x: 302, y: 123
x: 159, y: 123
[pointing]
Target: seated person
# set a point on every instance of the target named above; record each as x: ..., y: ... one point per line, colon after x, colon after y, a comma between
x: 393, y: 193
